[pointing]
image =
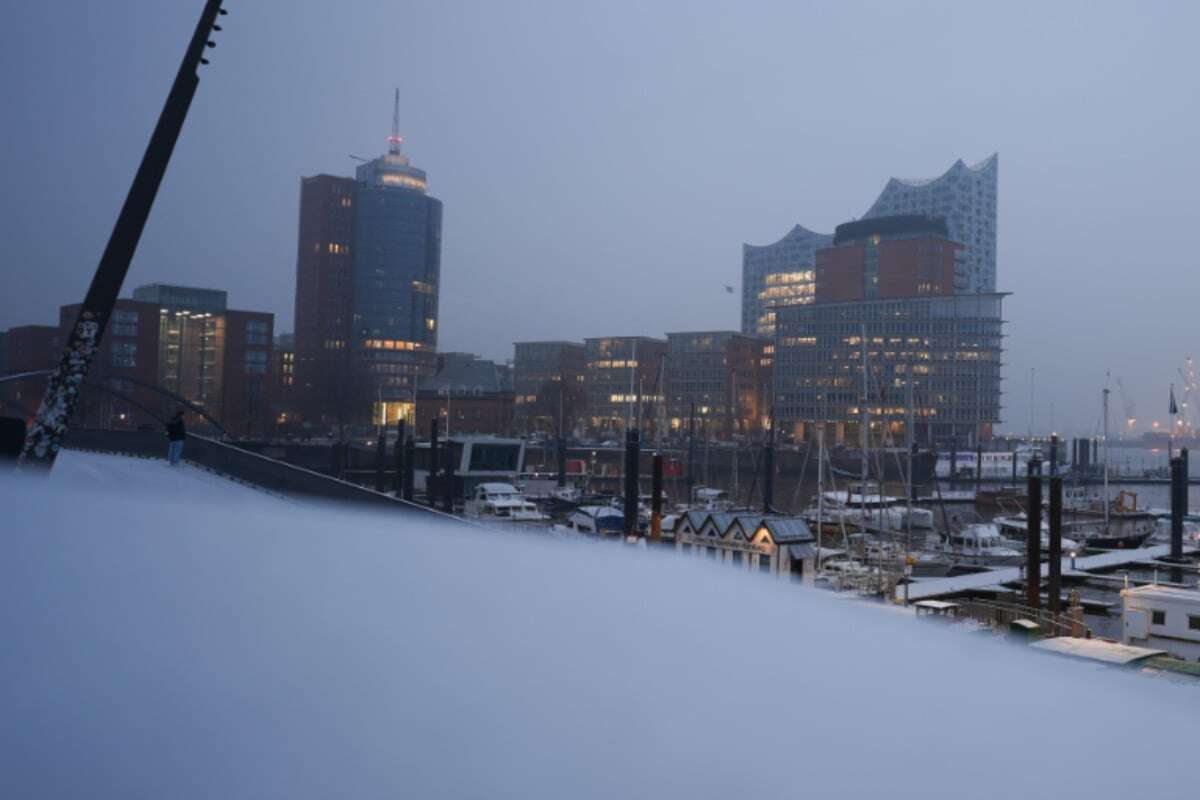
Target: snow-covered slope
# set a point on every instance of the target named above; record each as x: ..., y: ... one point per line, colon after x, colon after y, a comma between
x: 170, y: 634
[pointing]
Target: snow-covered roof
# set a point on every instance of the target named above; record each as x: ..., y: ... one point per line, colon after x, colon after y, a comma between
x: 1096, y: 649
x: 1171, y: 593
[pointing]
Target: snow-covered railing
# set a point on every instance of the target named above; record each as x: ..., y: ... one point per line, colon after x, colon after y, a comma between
x: 243, y: 465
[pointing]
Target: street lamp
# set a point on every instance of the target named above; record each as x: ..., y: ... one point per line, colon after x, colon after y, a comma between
x: 447, y: 388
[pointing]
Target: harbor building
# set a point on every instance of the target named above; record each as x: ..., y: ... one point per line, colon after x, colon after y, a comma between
x: 884, y: 257
x: 947, y: 347
x: 623, y: 382
x: 966, y: 197
x: 780, y: 546
x: 724, y: 377
x: 467, y: 395
x: 778, y: 275
x: 368, y: 273
x: 542, y: 371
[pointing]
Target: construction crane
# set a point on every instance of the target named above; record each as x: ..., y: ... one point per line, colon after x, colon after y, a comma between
x: 1127, y: 403
x: 1191, y: 395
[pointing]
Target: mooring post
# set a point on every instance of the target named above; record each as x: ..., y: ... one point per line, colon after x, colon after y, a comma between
x: 431, y: 481
x: 1178, y: 501
x: 1055, y: 577
x: 398, y: 459
x: 633, y: 455
x: 380, y: 459
x: 1033, y: 544
x: 656, y: 497
x: 410, y: 467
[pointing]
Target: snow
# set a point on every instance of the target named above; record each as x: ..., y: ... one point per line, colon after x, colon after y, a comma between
x: 168, y: 633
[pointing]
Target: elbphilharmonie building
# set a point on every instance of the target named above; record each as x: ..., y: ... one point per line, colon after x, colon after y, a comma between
x: 965, y: 196
x: 782, y: 274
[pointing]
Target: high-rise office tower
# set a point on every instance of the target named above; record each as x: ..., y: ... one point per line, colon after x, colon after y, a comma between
x: 368, y: 270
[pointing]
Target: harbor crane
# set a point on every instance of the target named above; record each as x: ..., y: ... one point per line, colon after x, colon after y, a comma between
x: 1191, y: 393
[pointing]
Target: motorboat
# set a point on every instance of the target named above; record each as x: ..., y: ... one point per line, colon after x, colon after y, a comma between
x: 979, y: 544
x: 503, y: 502
x: 1016, y: 527
x: 597, y: 520
x: 1162, y: 532
x: 706, y: 498
x: 873, y: 508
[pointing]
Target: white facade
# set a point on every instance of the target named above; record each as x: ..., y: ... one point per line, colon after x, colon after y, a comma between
x: 1162, y: 617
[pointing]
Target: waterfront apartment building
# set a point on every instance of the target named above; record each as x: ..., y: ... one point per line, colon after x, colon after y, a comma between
x: 724, y: 377
x: 624, y: 382
x: 542, y: 371
x: 216, y: 357
x: 902, y: 256
x: 368, y: 272
x: 947, y: 348
x: 174, y: 341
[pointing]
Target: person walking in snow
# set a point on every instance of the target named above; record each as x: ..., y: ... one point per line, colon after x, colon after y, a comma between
x: 176, y: 433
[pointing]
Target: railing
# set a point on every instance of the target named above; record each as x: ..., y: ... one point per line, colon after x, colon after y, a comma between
x: 243, y: 465
x: 1002, y: 615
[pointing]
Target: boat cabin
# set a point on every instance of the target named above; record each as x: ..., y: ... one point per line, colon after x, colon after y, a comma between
x: 1162, y: 617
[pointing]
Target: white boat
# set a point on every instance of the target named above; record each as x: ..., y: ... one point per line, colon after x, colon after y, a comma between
x: 1016, y: 527
x: 706, y: 498
x: 995, y: 463
x: 501, y: 501
x: 597, y: 520
x: 879, y: 510
x: 1162, y: 532
x: 980, y: 544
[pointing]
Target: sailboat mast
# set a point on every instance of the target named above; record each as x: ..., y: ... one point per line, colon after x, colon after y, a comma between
x: 908, y: 429
x: 820, y: 489
x: 864, y: 436
x: 629, y: 398
x: 1106, y: 391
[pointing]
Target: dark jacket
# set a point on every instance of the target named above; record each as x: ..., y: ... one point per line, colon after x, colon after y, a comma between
x: 175, y: 430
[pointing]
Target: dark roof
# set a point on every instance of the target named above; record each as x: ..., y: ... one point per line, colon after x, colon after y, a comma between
x: 465, y: 373
x: 901, y: 224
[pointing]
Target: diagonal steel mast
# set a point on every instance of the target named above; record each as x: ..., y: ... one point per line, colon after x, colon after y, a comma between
x: 43, y: 439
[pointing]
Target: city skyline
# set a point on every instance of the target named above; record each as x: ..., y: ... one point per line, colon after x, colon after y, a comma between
x: 535, y: 224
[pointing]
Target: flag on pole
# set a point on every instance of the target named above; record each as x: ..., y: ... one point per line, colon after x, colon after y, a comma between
x: 1173, y: 409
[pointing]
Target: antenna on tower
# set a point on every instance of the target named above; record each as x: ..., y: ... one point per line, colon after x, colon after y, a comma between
x: 395, y: 140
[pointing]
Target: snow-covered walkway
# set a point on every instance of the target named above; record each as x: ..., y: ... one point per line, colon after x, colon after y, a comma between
x: 153, y: 478
x: 168, y: 633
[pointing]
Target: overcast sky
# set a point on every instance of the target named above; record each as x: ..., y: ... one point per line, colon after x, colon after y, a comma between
x: 602, y: 164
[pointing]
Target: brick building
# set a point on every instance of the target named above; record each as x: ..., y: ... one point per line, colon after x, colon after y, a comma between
x: 27, y: 348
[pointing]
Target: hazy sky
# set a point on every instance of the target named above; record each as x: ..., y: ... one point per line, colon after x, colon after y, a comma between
x: 602, y: 164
